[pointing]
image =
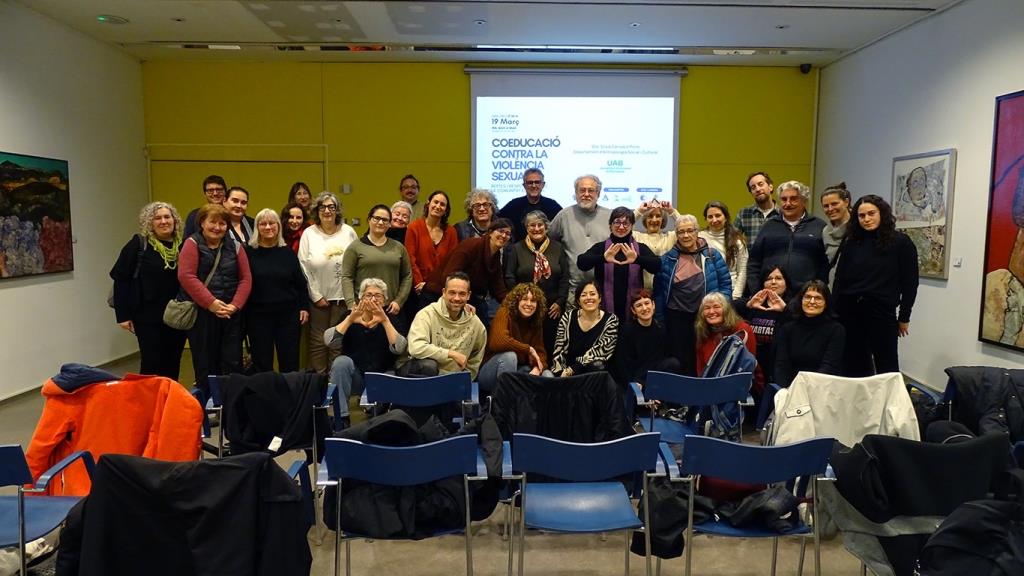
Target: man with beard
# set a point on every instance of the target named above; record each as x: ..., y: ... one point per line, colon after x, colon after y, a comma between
x: 579, y: 226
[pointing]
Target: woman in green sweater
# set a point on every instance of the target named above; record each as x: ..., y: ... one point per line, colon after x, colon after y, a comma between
x: 377, y: 256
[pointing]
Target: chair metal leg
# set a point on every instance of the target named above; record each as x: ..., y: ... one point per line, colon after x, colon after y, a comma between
x: 348, y: 558
x: 21, y: 532
x: 800, y: 563
x: 469, y: 532
x: 817, y: 526
x: 775, y: 553
x: 522, y: 522
x: 337, y: 535
x: 647, y: 527
x: 863, y: 569
x: 509, y: 530
x: 657, y: 569
x: 688, y: 539
x: 628, y: 534
x: 318, y: 530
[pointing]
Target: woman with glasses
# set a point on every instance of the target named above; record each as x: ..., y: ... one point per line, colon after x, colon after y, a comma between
x: 377, y: 256
x: 481, y: 207
x: 321, y: 250
x: 813, y: 341
x: 877, y: 272
x: 278, y: 305
x: 619, y: 263
x: 689, y: 271
x: 428, y: 241
x: 368, y: 341
x: 654, y: 215
x: 480, y: 259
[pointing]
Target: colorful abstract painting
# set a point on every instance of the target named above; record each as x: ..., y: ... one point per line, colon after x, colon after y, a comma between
x: 35, y: 216
x: 922, y: 203
x: 1002, y: 306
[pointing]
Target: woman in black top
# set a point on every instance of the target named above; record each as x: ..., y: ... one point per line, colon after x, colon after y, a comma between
x: 278, y: 304
x: 619, y: 263
x: 586, y: 335
x: 540, y: 260
x: 877, y: 273
x: 765, y: 311
x: 145, y: 279
x: 813, y: 341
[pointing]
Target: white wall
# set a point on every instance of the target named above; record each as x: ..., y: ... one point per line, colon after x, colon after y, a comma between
x: 929, y: 87
x: 64, y: 95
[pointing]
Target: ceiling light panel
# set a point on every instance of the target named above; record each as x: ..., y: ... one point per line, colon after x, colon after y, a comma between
x: 313, y: 21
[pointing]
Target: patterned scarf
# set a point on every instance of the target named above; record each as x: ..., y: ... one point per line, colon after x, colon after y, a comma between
x: 541, y: 266
x: 633, y: 283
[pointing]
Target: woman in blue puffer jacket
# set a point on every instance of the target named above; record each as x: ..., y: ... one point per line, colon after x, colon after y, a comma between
x: 690, y: 270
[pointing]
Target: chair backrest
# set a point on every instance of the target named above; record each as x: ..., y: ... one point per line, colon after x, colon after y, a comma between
x: 401, y: 465
x: 691, y: 391
x: 13, y: 466
x: 431, y: 391
x: 584, y: 462
x: 755, y: 464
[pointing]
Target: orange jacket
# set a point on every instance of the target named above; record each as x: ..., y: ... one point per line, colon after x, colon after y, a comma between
x: 149, y: 416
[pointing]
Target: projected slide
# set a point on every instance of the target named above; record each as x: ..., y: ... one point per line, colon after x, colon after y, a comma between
x: 626, y: 141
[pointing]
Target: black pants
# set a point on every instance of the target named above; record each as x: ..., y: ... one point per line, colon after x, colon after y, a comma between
x: 159, y: 348
x: 871, y: 335
x: 682, y: 339
x: 216, y: 345
x: 270, y: 327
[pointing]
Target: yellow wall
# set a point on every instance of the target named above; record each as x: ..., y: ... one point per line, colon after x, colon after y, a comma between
x: 263, y: 126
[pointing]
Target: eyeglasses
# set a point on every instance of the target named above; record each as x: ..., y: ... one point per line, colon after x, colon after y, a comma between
x: 481, y: 205
x: 380, y: 219
x: 410, y: 186
x: 505, y: 232
x: 685, y: 231
x: 622, y: 223
x: 328, y: 208
x: 214, y: 190
x: 533, y: 183
x: 372, y: 296
x: 813, y: 298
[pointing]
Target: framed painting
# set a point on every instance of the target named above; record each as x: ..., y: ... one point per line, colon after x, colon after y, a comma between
x: 922, y: 204
x: 35, y: 216
x: 1002, y: 304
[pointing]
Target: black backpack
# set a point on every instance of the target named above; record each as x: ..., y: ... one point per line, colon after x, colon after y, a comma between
x: 980, y: 538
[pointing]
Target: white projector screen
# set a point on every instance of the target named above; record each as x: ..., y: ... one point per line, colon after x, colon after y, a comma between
x: 620, y: 126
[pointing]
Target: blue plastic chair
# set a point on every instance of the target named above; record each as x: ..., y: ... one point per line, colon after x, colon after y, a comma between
x: 455, y: 387
x: 591, y: 499
x: 755, y: 465
x: 25, y: 519
x: 692, y: 392
x: 402, y: 466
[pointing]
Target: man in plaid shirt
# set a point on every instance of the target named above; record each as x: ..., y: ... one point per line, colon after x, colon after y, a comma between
x: 751, y: 218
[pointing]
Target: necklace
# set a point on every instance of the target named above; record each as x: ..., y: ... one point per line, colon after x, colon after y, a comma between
x: 169, y: 254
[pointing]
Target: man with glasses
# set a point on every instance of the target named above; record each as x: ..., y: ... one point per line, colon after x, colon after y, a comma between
x: 579, y: 226
x: 790, y: 240
x: 409, y: 190
x: 517, y: 208
x: 215, y: 191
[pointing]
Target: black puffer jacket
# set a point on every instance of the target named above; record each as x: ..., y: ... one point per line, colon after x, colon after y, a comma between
x: 989, y: 399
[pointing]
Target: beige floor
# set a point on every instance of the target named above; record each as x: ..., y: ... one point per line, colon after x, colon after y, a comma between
x: 567, y: 555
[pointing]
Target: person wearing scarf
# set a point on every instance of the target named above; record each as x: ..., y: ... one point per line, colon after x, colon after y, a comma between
x: 618, y: 263
x: 543, y: 261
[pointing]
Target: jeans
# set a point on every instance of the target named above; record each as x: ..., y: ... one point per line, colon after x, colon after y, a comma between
x: 496, y: 366
x: 349, y: 380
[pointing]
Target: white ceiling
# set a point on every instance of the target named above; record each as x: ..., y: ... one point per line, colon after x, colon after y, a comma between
x: 741, y: 32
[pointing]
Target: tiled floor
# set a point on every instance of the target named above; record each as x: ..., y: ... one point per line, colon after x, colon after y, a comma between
x: 569, y: 555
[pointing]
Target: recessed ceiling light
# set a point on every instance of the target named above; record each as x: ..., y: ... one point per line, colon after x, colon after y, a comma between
x: 111, y: 19
x: 781, y: 26
x: 479, y: 22
x: 177, y: 19
x: 634, y: 24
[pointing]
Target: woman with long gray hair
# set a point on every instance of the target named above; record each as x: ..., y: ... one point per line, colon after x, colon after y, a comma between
x: 145, y: 279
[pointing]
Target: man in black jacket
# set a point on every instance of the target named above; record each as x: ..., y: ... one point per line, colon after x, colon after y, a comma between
x: 791, y: 240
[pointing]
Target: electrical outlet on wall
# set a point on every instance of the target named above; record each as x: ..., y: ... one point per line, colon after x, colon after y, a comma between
x: 354, y: 221
x: 346, y: 188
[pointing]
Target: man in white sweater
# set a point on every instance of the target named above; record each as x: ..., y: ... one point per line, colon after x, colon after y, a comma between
x: 580, y: 226
x: 444, y: 337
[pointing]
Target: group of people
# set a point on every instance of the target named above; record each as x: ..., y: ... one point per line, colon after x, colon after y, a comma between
x: 532, y: 287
